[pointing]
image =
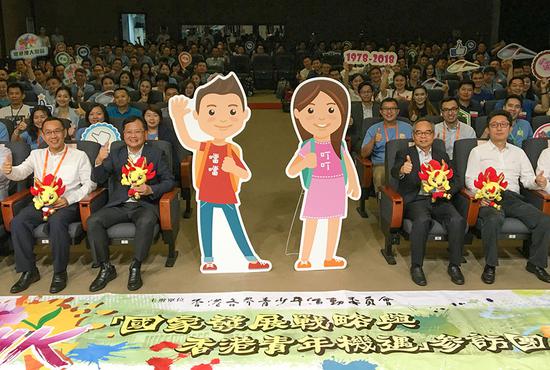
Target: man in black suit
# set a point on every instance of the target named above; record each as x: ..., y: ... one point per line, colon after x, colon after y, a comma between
x: 419, y: 207
x: 144, y: 212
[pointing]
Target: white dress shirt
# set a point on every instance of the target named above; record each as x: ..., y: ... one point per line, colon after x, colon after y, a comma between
x: 134, y: 157
x: 543, y: 164
x: 512, y: 161
x: 75, y: 171
x: 424, y: 158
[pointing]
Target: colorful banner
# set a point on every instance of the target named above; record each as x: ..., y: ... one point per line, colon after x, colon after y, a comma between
x: 266, y: 330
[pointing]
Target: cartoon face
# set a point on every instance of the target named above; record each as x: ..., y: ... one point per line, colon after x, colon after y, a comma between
x: 321, y: 117
x: 137, y: 177
x: 221, y: 116
x: 439, y: 180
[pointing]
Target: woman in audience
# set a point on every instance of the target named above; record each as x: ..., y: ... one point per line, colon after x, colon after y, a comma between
x: 189, y: 88
x: 399, y: 91
x: 32, y: 133
x: 146, y: 72
x: 157, y: 130
x: 64, y: 110
x: 177, y: 73
x: 429, y: 72
x: 135, y: 70
x: 528, y: 92
x: 125, y: 80
x: 420, y: 106
x: 97, y: 114
x: 196, y: 78
x: 145, y: 88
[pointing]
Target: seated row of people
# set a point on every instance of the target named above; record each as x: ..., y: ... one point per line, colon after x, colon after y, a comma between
x: 504, y: 158
x: 80, y: 178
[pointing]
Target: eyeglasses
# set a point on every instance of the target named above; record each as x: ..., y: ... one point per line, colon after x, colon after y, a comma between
x: 499, y: 124
x: 53, y: 132
x: 423, y: 133
x: 447, y: 110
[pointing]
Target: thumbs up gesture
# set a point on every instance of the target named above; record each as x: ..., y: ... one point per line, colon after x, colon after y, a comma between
x: 103, y: 153
x: 7, y: 165
x: 378, y: 136
x: 407, y: 167
x: 541, y: 180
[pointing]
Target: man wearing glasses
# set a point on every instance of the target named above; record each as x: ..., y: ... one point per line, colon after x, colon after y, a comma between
x: 419, y: 207
x: 144, y: 212
x: 451, y: 129
x: 514, y: 164
x: 374, y: 143
x: 73, y: 167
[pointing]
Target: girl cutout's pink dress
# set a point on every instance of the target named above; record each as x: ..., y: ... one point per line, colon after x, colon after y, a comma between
x: 326, y: 196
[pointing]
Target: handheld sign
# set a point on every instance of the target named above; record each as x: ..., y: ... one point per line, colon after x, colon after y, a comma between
x: 541, y: 65
x: 462, y: 66
x: 374, y: 58
x: 63, y: 58
x: 516, y: 52
x: 185, y: 59
x: 101, y: 133
x: 28, y: 46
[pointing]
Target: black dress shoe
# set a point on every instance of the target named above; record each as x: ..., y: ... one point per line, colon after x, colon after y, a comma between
x: 59, y: 282
x: 134, y: 278
x: 539, y: 272
x: 107, y: 272
x: 25, y: 281
x: 488, y: 275
x: 417, y: 276
x: 455, y: 274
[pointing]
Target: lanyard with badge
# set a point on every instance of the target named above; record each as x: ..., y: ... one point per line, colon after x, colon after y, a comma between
x: 58, y: 165
x: 396, y: 132
x: 457, y: 131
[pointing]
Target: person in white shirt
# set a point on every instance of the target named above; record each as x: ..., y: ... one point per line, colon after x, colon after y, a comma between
x: 451, y: 129
x: 543, y: 167
x: 5, y: 155
x: 513, y: 163
x: 16, y: 111
x: 73, y: 167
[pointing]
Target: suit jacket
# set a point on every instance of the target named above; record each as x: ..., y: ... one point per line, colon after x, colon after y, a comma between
x: 409, y: 185
x: 111, y: 170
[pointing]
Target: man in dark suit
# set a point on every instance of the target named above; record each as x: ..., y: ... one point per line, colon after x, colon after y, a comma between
x: 419, y: 207
x: 144, y: 212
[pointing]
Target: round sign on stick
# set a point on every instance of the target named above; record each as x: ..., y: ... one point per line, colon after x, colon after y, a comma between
x: 541, y: 65
x: 249, y: 46
x: 185, y: 59
x: 543, y: 131
x: 83, y: 51
x: 63, y: 58
x: 70, y: 73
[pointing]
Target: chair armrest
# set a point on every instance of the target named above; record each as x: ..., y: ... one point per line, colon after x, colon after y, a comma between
x: 539, y: 198
x: 468, y: 206
x: 391, y: 208
x: 91, y: 203
x: 169, y: 210
x: 13, y: 204
x: 366, y: 179
x: 185, y: 172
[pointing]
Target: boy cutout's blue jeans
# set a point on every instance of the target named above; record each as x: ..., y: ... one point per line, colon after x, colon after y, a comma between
x: 232, y: 215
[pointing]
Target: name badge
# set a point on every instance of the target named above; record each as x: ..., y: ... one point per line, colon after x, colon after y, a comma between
x: 473, y: 114
x: 402, y: 136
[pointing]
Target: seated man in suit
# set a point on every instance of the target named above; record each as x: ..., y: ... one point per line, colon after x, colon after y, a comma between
x: 419, y: 207
x: 144, y: 212
x: 510, y: 160
x: 68, y: 164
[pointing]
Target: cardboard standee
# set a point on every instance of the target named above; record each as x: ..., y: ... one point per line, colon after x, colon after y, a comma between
x: 206, y: 126
x: 320, y: 107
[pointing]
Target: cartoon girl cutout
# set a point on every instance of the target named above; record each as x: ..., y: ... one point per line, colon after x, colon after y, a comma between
x: 320, y: 110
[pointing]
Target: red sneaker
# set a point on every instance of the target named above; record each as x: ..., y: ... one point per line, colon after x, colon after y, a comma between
x: 210, y: 266
x: 259, y: 265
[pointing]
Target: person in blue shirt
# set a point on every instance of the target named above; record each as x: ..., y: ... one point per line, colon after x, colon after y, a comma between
x: 515, y: 87
x: 480, y: 93
x: 31, y: 133
x: 374, y: 143
x: 521, y: 129
x: 122, y: 108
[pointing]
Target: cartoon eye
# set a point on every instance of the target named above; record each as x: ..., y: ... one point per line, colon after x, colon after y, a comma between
x: 51, y: 197
x: 140, y: 177
x: 211, y: 112
x: 232, y: 112
x: 331, y: 110
x: 310, y: 110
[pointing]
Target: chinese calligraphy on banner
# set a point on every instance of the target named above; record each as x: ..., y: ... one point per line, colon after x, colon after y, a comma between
x: 252, y: 330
